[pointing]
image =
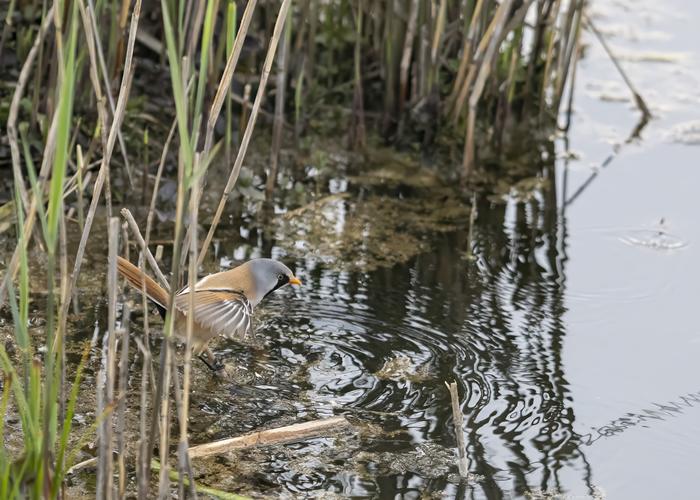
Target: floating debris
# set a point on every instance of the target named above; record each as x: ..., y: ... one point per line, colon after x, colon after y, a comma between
x: 401, y: 367
x: 657, y: 239
x: 686, y: 133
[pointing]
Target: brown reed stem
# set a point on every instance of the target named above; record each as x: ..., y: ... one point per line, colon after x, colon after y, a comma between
x: 278, y: 124
x: 106, y: 79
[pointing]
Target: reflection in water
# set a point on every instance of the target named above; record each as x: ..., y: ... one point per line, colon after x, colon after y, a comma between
x: 380, y: 345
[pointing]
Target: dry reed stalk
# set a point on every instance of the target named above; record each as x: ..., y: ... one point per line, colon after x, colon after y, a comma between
x: 458, y: 422
x: 226, y: 77
x: 358, y: 133
x: 437, y: 41
x: 142, y: 470
x: 570, y: 103
x: 246, y: 107
x: 279, y: 435
x: 193, y: 35
x: 105, y: 474
x: 106, y: 79
x: 163, y: 400
x: 63, y: 266
x: 121, y: 23
x: 278, y: 124
x: 223, y: 90
x: 156, y: 183
x: 183, y: 445
x: 233, y: 177
x: 81, y: 187
x: 551, y: 21
x: 126, y: 213
x: 107, y: 154
x: 566, y: 37
x: 475, y: 65
x: 166, y: 371
x: 121, y: 399
x: 570, y: 48
x: 639, y: 101
x: 94, y: 76
x: 184, y: 469
x: 490, y: 55
x: 31, y: 214
x: 406, y: 56
x: 473, y: 213
x: 14, y: 110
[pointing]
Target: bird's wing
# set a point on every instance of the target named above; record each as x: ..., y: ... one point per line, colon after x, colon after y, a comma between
x: 224, y: 311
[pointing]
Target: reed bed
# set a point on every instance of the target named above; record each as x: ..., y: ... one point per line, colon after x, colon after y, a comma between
x: 403, y: 71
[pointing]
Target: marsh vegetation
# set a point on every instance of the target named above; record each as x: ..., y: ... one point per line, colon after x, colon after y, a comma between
x: 402, y: 153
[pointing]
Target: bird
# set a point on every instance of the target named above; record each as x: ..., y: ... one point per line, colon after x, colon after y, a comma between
x: 223, y: 302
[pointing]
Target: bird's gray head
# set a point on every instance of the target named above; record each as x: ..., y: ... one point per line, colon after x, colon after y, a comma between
x: 269, y: 275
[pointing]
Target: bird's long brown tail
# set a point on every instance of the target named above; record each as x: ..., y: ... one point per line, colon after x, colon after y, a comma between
x: 138, y: 279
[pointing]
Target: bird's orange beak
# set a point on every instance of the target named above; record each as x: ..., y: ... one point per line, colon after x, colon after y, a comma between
x: 294, y: 281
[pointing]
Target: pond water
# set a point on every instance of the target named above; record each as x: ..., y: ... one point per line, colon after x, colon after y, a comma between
x: 572, y: 332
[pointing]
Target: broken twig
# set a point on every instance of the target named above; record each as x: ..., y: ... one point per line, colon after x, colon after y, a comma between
x: 279, y: 435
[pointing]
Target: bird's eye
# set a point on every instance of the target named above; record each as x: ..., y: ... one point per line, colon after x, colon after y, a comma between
x: 280, y: 277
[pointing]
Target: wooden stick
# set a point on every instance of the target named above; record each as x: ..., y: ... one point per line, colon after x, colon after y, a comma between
x: 458, y: 420
x: 279, y: 435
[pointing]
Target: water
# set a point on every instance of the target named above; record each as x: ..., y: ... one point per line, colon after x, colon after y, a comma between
x: 572, y: 334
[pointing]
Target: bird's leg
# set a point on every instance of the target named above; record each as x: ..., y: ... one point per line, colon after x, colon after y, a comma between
x: 209, y: 359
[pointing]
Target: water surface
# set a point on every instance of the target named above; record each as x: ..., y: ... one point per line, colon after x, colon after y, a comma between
x: 572, y: 332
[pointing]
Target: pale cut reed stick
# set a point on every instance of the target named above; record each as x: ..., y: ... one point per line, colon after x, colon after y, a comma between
x: 105, y: 469
x: 121, y: 405
x: 458, y: 422
x: 126, y: 213
x: 279, y: 435
x: 233, y: 177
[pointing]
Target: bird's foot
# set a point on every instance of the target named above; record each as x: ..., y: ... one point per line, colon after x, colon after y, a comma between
x: 212, y: 362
